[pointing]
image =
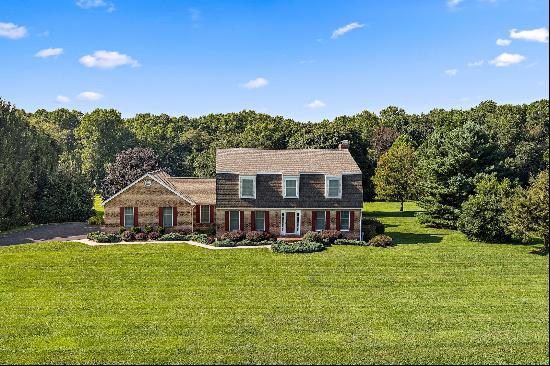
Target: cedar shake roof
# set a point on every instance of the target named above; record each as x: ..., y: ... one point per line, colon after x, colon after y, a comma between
x: 197, y: 190
x: 287, y: 162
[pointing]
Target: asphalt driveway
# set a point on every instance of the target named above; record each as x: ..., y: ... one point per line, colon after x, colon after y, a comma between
x: 66, y: 231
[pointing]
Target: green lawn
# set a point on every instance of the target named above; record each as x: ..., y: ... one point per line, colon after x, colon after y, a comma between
x: 99, y: 209
x: 435, y: 298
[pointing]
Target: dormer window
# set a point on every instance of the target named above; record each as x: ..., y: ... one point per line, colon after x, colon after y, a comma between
x: 291, y: 187
x: 333, y: 186
x: 247, y: 187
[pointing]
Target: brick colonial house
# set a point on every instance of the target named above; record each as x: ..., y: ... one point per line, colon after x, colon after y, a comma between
x: 286, y: 192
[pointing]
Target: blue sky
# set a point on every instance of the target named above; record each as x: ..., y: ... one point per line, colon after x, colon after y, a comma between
x: 306, y: 60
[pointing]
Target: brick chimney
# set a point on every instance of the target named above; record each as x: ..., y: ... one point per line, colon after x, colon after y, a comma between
x: 344, y: 145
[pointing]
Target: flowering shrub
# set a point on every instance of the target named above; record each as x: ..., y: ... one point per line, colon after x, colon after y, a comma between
x: 153, y: 235
x: 173, y: 237
x: 128, y: 236
x: 259, y: 236
x: 328, y: 237
x: 233, y: 235
x: 312, y: 236
x: 141, y: 236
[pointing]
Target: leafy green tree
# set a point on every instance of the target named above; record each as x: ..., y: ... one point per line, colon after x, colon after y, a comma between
x: 527, y: 211
x: 482, y: 214
x: 448, y: 163
x: 395, y: 175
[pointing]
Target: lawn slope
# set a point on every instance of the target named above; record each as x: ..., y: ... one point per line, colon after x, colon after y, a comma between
x: 435, y: 298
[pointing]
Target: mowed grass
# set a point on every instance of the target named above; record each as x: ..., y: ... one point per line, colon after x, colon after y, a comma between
x: 444, y: 300
x: 99, y: 209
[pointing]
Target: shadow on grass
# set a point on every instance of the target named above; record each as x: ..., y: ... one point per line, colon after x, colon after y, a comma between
x: 412, y: 238
x: 390, y: 213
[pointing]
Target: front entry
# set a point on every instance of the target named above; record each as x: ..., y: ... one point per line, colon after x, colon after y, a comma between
x: 290, y: 222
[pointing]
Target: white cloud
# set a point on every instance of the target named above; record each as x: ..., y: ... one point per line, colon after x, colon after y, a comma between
x: 89, y: 96
x: 316, y: 104
x: 453, y: 3
x: 347, y: 28
x: 49, y: 52
x: 89, y: 4
x: 503, y: 42
x: 62, y: 99
x: 195, y: 14
x: 476, y: 63
x: 255, y: 83
x: 507, y: 59
x: 534, y: 35
x: 12, y: 31
x: 451, y: 72
x: 107, y: 60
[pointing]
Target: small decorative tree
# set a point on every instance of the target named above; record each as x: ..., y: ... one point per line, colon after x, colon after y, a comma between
x: 395, y: 175
x: 129, y: 165
x: 527, y: 211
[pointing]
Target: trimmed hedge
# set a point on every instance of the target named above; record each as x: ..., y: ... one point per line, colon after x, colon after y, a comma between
x: 381, y: 241
x: 297, y: 247
x: 351, y: 242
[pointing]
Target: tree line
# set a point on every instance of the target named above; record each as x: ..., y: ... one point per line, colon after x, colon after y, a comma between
x: 44, y: 152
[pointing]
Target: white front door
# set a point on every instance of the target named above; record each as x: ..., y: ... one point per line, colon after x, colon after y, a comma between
x: 290, y: 222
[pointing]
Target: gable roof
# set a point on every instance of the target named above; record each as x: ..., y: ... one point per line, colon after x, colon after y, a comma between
x: 193, y: 190
x: 287, y: 162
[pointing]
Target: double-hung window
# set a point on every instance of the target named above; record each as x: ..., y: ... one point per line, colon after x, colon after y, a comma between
x: 247, y: 187
x: 128, y: 216
x: 168, y: 216
x: 260, y: 220
x: 344, y: 220
x: 333, y: 187
x: 234, y: 220
x: 291, y: 187
x: 205, y: 214
x: 320, y: 220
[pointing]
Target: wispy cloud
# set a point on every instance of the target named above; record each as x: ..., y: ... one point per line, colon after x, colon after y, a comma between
x: 89, y: 4
x: 453, y: 3
x: 476, y: 63
x: 533, y: 35
x: 316, y: 104
x: 62, y: 99
x: 12, y: 31
x: 507, y: 59
x: 107, y: 60
x: 345, y: 29
x: 503, y: 42
x: 49, y: 52
x: 255, y: 83
x: 194, y: 14
x: 89, y: 96
x: 451, y: 72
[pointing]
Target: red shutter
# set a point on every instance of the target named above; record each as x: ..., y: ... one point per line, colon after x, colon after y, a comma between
x: 338, y: 220
x: 175, y: 216
x: 136, y: 214
x: 241, y: 221
x: 122, y: 216
x: 266, y: 219
x: 351, y: 219
x: 253, y: 220
x: 327, y: 220
x: 212, y: 212
x: 161, y: 222
x: 226, y: 221
x: 197, y: 214
x: 313, y: 219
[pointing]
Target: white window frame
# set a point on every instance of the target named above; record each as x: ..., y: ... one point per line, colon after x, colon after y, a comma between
x: 171, y: 215
x: 239, y: 221
x: 256, y: 220
x: 324, y: 219
x: 329, y: 178
x: 297, y: 180
x: 133, y: 215
x: 349, y: 220
x: 253, y: 178
x: 200, y: 214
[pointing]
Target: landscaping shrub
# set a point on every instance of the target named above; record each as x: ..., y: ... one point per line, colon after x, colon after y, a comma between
x: 224, y: 243
x: 148, y: 229
x: 101, y: 237
x: 350, y: 242
x: 210, y: 231
x: 199, y: 238
x: 372, y: 227
x: 381, y: 241
x: 297, y: 247
x: 312, y: 236
x: 259, y: 236
x: 136, y: 229
x: 153, y: 235
x: 128, y: 236
x: 173, y: 237
x: 121, y: 229
x: 233, y: 235
x: 141, y: 236
x: 328, y: 237
x: 95, y: 220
